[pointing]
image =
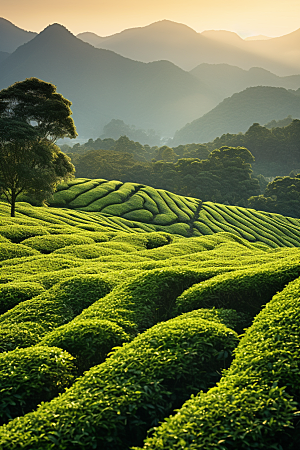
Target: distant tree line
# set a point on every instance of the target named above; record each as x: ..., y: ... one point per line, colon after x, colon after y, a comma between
x: 207, y: 171
x: 223, y: 176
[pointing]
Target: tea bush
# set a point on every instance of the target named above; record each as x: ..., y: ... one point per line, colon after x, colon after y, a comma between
x: 114, y: 404
x: 61, y: 303
x: 21, y: 335
x: 244, y: 290
x: 29, y: 376
x: 13, y: 293
x: 10, y: 250
x: 89, y: 341
x: 255, y: 404
x: 47, y: 244
x: 17, y: 233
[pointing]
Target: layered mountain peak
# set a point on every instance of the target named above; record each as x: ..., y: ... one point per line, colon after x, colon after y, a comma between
x: 11, y: 36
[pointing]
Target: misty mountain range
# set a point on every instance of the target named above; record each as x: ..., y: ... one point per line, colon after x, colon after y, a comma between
x: 103, y: 85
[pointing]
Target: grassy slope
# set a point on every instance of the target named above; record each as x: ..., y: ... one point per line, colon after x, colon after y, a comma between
x: 85, y: 281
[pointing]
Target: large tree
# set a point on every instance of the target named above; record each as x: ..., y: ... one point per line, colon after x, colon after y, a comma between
x: 32, y: 117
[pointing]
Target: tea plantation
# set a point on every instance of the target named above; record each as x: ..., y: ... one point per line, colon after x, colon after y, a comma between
x: 134, y: 318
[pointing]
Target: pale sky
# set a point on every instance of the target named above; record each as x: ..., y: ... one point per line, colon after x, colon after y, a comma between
x: 105, y: 17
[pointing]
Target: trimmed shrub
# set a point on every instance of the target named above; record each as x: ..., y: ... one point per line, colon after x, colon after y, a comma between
x: 244, y: 290
x: 47, y: 244
x: 89, y: 341
x: 142, y: 215
x: 114, y: 404
x: 61, y: 303
x: 237, y: 321
x: 20, y: 335
x: 17, y: 233
x: 88, y: 251
x: 31, y: 375
x: 13, y: 293
x: 255, y: 404
x: 147, y: 298
x: 10, y: 250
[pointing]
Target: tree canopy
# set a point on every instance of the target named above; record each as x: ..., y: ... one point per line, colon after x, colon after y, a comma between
x: 32, y: 117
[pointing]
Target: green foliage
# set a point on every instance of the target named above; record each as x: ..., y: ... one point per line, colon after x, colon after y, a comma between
x: 133, y: 389
x: 21, y: 335
x: 33, y: 116
x: 13, y: 293
x: 255, y: 404
x: 48, y: 244
x: 281, y: 196
x: 31, y: 375
x: 17, y: 233
x: 61, y: 303
x: 243, y: 290
x: 9, y: 250
x: 89, y: 341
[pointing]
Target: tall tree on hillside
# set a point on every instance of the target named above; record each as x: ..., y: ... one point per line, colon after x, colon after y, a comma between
x: 32, y: 117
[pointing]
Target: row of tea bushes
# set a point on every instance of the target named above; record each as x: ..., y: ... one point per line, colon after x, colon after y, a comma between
x: 169, y: 213
x: 244, y: 290
x: 31, y: 375
x: 256, y: 404
x: 112, y: 405
x: 54, y: 307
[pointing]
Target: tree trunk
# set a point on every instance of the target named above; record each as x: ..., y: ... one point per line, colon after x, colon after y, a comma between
x: 13, y: 204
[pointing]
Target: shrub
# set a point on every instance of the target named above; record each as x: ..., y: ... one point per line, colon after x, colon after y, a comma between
x: 114, y: 404
x: 88, y: 251
x: 31, y: 375
x: 10, y: 250
x: 254, y: 406
x: 146, y: 298
x: 243, y: 290
x: 61, y: 303
x: 17, y: 233
x: 21, y: 335
x: 89, y: 341
x: 13, y: 293
x: 47, y: 244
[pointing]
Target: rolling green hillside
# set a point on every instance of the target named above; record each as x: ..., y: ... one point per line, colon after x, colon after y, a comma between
x: 120, y: 303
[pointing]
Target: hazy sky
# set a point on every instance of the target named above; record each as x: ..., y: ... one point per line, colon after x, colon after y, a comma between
x: 105, y: 17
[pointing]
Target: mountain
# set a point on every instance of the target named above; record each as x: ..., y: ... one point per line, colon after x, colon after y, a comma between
x: 11, y: 36
x: 226, y: 79
x: 236, y: 113
x: 3, y: 56
x: 187, y: 49
x: 103, y: 85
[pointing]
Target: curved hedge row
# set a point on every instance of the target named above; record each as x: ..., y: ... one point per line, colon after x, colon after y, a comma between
x: 255, y: 404
x: 114, y: 404
x: 61, y: 303
x: 31, y: 375
x: 13, y: 293
x: 89, y: 341
x: 243, y: 290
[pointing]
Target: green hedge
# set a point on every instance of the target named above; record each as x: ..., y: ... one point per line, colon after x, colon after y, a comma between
x: 10, y: 250
x: 244, y: 290
x: 88, y: 251
x: 17, y: 233
x: 255, y: 405
x: 61, y: 303
x: 89, y: 341
x: 47, y: 244
x: 31, y: 375
x: 114, y: 404
x: 21, y: 335
x: 11, y: 294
